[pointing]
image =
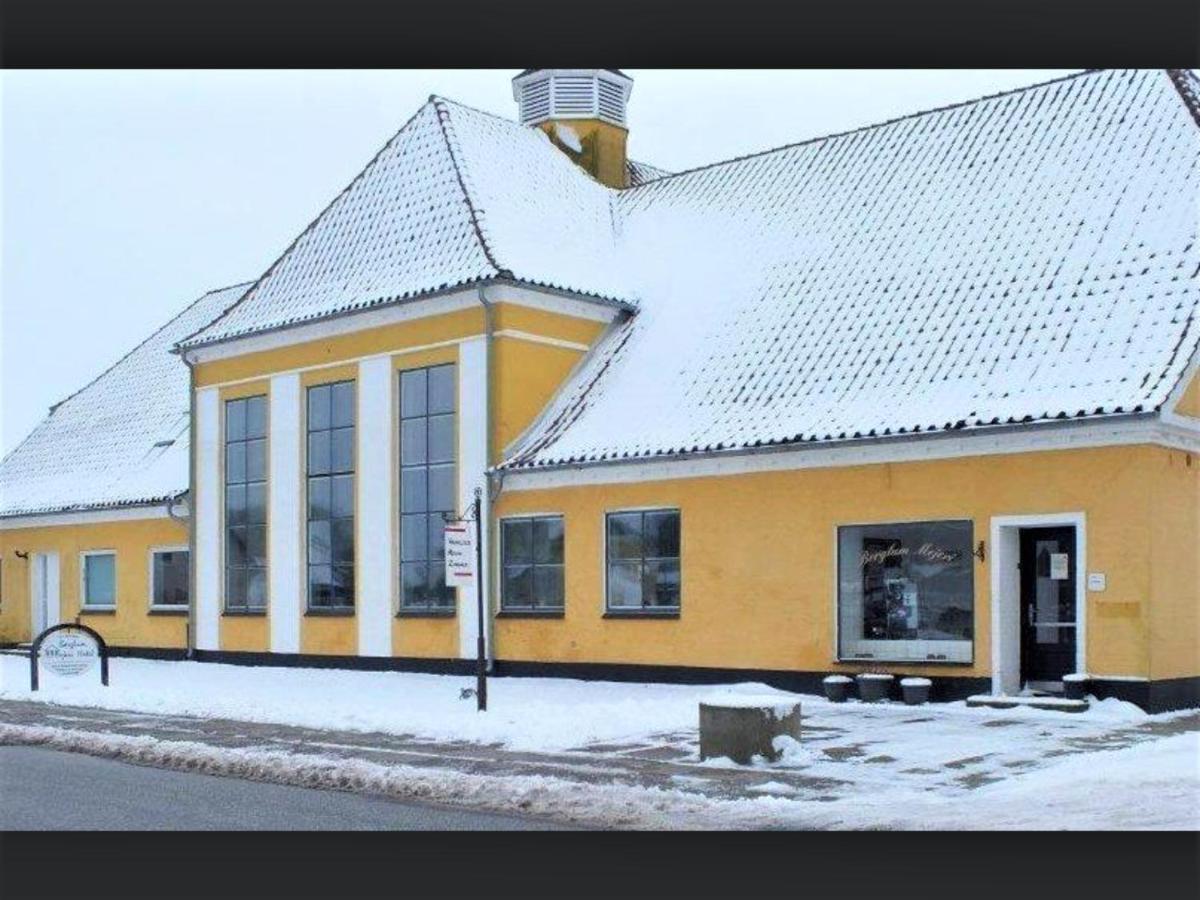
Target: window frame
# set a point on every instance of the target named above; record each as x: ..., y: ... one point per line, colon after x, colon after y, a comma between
x: 426, y: 610
x: 244, y: 608
x: 535, y: 611
x: 642, y: 612
x: 343, y: 609
x: 84, y: 606
x: 150, y: 579
x: 948, y: 658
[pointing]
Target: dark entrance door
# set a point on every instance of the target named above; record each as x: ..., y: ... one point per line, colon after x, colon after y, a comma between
x: 1048, y: 613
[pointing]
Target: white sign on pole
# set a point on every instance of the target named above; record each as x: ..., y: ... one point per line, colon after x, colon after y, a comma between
x: 460, y: 554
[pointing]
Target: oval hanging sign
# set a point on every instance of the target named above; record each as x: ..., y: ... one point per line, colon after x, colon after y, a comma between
x: 69, y: 649
x: 69, y: 652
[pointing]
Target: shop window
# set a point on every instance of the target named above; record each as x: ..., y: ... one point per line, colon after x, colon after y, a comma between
x: 99, y: 578
x: 906, y: 592
x: 169, y: 579
x: 246, y: 504
x: 531, y: 553
x: 642, y: 551
x: 330, y: 468
x: 428, y: 494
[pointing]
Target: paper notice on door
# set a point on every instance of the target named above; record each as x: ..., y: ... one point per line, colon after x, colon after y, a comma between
x: 1058, y: 566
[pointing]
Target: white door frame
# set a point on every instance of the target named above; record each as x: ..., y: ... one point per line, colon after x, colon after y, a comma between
x: 1006, y: 593
x: 44, y: 598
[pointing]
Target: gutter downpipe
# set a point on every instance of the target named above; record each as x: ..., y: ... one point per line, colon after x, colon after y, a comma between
x: 190, y: 651
x: 486, y: 526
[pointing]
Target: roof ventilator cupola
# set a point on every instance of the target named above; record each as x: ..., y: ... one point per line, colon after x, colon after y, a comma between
x: 583, y: 113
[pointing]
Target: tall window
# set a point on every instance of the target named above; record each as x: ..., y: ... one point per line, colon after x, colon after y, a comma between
x: 331, y: 496
x: 427, y: 470
x: 246, y: 504
x: 906, y: 591
x: 531, y: 553
x: 643, y: 561
x: 169, y: 579
x: 99, y: 578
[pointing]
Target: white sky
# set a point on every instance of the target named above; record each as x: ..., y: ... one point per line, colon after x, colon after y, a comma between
x: 126, y: 195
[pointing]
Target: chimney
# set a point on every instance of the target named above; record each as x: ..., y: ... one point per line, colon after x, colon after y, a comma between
x: 583, y: 113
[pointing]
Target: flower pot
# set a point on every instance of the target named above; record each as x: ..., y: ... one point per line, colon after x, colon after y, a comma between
x: 915, y: 690
x: 837, y: 688
x: 1075, y: 687
x: 874, y: 688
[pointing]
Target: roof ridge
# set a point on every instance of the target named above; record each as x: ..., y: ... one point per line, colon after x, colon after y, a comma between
x: 869, y: 127
x: 1188, y: 86
x: 140, y: 344
x: 312, y: 224
x: 443, y: 120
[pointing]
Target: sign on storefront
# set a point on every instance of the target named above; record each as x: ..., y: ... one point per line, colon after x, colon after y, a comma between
x: 69, y: 650
x: 460, y: 554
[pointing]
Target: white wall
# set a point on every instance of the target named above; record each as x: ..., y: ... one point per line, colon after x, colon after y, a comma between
x: 376, y: 525
x: 472, y: 463
x: 285, y: 589
x: 207, y: 519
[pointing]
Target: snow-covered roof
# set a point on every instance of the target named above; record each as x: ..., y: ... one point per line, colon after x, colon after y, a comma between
x: 640, y: 172
x: 1022, y: 257
x: 120, y: 441
x: 456, y: 197
x: 1025, y: 257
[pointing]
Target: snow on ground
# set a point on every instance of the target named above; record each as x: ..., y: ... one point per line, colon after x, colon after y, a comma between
x: 943, y: 765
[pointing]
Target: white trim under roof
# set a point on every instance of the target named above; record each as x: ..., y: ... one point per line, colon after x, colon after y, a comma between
x: 1101, y: 432
x: 87, y: 517
x: 352, y: 321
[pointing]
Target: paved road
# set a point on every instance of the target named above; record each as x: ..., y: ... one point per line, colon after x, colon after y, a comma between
x: 48, y: 789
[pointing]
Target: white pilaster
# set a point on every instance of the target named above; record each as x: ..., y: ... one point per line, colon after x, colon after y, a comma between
x: 376, y: 450
x: 285, y: 524
x: 208, y: 519
x: 472, y: 463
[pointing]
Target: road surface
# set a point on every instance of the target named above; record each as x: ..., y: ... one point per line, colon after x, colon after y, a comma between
x: 49, y: 789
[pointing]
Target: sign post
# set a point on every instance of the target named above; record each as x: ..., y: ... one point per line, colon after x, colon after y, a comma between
x: 68, y: 649
x: 464, y: 565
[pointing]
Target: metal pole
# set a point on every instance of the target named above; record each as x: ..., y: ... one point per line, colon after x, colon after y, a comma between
x: 480, y: 650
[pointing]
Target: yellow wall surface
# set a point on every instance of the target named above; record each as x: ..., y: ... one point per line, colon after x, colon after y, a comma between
x: 758, y: 557
x: 1189, y: 403
x: 1174, y: 518
x: 132, y: 624
x: 603, y: 149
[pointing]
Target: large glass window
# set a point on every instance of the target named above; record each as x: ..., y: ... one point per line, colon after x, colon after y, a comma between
x: 906, y: 591
x: 330, y: 457
x: 531, y: 553
x: 99, y: 580
x: 169, y: 578
x: 427, y: 485
x: 246, y: 504
x: 643, y: 561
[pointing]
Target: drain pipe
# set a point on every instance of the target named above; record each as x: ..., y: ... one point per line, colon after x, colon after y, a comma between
x: 189, y: 626
x: 486, y: 526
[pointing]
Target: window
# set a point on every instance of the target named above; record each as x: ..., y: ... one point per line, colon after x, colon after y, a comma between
x: 906, y: 591
x: 643, y: 561
x: 531, y: 551
x: 169, y: 578
x: 99, y: 577
x: 427, y: 486
x: 246, y: 504
x: 331, y: 496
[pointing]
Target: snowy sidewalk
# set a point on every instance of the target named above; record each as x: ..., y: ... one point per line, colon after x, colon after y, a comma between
x: 626, y: 754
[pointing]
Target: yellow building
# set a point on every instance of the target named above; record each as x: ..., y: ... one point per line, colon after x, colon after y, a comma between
x: 920, y: 398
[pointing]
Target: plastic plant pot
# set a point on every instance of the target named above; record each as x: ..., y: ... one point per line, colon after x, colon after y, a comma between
x: 1075, y: 686
x: 837, y: 688
x: 873, y: 688
x: 915, y: 690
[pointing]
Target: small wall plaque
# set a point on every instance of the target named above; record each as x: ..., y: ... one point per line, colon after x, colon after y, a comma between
x: 1096, y: 581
